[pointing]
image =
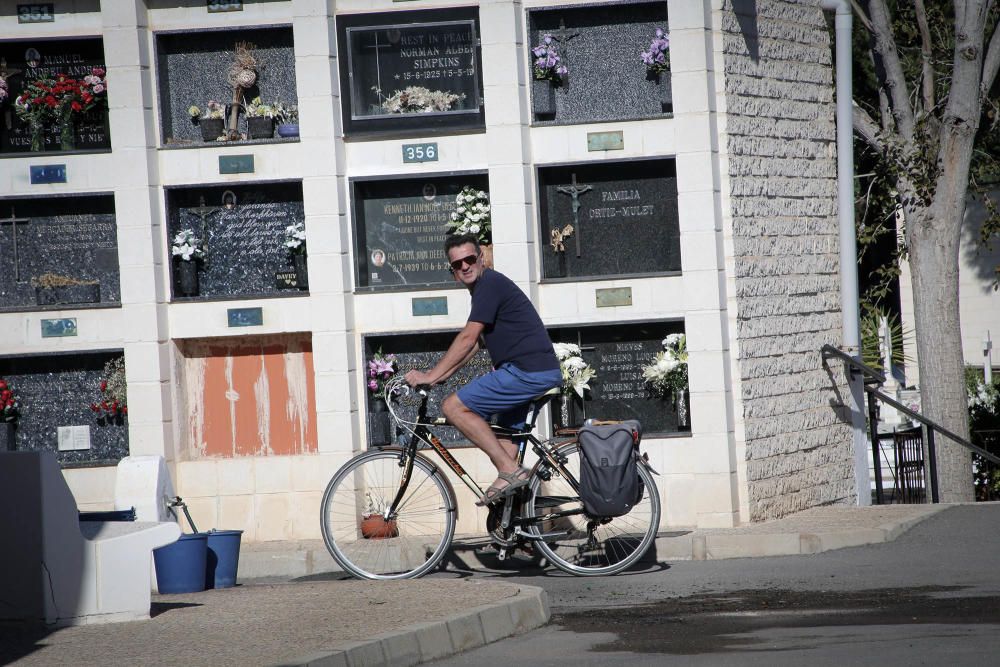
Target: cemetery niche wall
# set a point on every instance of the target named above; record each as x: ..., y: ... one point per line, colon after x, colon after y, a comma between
x: 56, y: 96
x: 240, y: 232
x: 609, y: 219
x: 411, y: 71
x: 418, y: 350
x: 400, y: 229
x: 600, y: 74
x: 62, y: 406
x: 221, y: 73
x: 618, y: 354
x: 57, y: 252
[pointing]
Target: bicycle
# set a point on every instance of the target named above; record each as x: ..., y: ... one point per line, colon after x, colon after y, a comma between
x: 410, y: 509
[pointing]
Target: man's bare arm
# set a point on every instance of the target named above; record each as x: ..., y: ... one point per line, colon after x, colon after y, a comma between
x: 465, y: 345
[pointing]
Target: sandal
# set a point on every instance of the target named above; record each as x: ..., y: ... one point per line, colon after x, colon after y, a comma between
x: 515, y: 480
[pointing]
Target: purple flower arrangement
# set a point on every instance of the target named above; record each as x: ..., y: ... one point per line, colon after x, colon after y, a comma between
x: 657, y: 58
x: 548, y: 65
x: 380, y: 368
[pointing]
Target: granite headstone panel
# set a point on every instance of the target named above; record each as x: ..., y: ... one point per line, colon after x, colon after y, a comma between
x: 384, y: 53
x: 421, y: 351
x: 72, y: 237
x: 600, y: 45
x: 400, y: 229
x: 246, y: 249
x: 57, y: 390
x: 192, y: 69
x: 625, y: 222
x: 25, y: 61
x: 617, y: 353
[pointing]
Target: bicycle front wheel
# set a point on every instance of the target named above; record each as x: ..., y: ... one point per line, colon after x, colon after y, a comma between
x: 585, y: 545
x: 406, y: 546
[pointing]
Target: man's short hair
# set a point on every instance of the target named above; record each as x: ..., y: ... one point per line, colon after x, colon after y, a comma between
x: 455, y: 240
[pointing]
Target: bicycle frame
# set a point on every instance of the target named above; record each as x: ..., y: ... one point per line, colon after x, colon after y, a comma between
x: 422, y: 433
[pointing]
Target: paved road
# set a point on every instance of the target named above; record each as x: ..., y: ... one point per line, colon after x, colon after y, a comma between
x: 931, y: 597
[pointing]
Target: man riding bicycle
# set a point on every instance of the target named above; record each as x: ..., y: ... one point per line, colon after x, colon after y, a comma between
x: 504, y: 321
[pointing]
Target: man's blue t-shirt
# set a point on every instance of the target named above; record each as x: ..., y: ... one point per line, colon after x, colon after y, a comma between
x: 514, y: 332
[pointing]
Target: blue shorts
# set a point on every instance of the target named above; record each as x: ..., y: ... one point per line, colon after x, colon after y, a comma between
x: 506, y: 392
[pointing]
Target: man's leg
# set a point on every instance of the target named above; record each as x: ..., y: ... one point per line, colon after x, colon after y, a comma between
x: 481, y: 435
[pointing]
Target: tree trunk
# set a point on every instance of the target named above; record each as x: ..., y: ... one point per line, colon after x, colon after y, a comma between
x: 934, y: 241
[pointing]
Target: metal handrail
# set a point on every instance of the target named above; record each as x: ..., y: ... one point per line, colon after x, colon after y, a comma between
x: 874, y: 377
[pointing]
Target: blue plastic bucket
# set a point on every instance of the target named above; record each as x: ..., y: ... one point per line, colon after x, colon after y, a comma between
x: 180, y: 567
x: 223, y: 558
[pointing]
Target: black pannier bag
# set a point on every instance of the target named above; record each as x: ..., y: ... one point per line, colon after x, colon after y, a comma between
x: 609, y: 474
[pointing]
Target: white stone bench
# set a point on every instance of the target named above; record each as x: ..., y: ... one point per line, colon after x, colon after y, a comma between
x: 57, y: 570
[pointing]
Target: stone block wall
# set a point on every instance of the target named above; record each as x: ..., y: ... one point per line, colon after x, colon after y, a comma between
x: 781, y: 155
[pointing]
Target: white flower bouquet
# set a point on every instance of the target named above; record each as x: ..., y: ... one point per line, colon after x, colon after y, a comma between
x: 295, y: 238
x: 417, y: 99
x: 576, y: 372
x: 187, y: 246
x: 472, y: 215
x: 668, y: 372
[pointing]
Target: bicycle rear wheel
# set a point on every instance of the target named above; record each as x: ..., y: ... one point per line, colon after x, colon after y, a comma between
x: 404, y: 547
x: 584, y: 545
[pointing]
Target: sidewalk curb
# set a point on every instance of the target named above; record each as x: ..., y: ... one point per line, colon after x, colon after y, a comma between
x: 423, y: 642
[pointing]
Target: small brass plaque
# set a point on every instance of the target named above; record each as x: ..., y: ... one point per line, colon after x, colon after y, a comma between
x: 606, y: 141
x: 431, y: 305
x: 236, y: 164
x: 59, y: 328
x: 245, y: 317
x: 614, y: 296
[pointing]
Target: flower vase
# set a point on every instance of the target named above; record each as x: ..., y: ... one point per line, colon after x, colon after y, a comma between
x: 681, y: 406
x: 288, y: 130
x: 301, y: 270
x: 663, y: 90
x: 7, y: 432
x: 379, y: 423
x: 543, y: 97
x: 567, y: 415
x: 211, y: 128
x: 260, y: 128
x: 37, y: 137
x: 67, y: 134
x: 187, y: 273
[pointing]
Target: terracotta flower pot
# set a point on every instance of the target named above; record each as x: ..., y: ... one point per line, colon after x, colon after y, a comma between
x: 375, y: 527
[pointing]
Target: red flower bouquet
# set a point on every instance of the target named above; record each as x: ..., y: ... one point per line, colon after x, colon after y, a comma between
x: 111, y: 406
x: 55, y: 100
x: 10, y: 406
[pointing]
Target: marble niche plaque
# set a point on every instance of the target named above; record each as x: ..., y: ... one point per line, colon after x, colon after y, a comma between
x: 421, y: 351
x: 58, y: 252
x: 24, y: 61
x: 400, y: 229
x: 609, y: 219
x: 618, y: 353
x: 600, y: 45
x: 434, y: 53
x: 244, y: 228
x: 56, y: 391
x: 191, y: 69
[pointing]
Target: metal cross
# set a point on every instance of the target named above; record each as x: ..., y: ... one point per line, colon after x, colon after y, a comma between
x: 563, y: 34
x: 13, y: 221
x: 203, y: 212
x: 378, y: 67
x: 574, y: 191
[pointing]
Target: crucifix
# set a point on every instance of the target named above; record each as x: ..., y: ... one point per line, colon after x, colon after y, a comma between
x: 14, y: 221
x: 378, y: 67
x: 203, y: 212
x: 574, y: 190
x: 562, y: 34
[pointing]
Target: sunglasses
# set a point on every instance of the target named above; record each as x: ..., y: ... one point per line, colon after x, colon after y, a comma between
x: 459, y: 264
